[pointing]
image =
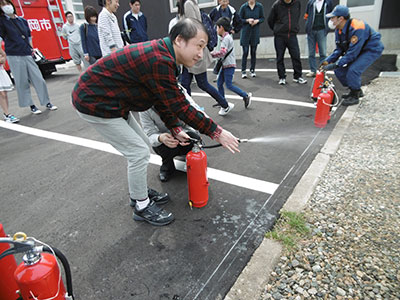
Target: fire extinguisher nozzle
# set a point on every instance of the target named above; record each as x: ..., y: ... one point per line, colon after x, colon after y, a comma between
x: 243, y: 140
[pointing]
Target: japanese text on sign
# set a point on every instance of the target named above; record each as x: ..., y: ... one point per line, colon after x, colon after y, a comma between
x: 39, y: 25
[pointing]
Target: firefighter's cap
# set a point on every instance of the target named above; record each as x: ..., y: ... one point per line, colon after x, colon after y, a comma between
x: 339, y: 11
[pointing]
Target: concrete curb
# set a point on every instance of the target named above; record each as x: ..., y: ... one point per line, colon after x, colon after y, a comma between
x: 252, y: 281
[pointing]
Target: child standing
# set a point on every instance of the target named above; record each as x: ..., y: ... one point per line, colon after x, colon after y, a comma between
x: 5, y: 86
x: 229, y: 64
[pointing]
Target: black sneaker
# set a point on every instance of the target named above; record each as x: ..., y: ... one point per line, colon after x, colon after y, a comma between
x: 247, y: 100
x: 360, y: 94
x: 350, y: 101
x: 158, y: 198
x: 154, y: 215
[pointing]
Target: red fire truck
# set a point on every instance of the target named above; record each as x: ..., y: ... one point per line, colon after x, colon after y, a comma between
x: 45, y: 19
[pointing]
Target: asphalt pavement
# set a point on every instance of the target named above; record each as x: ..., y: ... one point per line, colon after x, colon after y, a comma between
x: 72, y: 193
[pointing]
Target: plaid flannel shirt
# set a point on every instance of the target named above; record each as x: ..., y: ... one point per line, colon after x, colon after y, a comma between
x: 136, y: 78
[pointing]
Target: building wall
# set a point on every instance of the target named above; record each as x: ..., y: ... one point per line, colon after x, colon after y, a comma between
x: 158, y: 15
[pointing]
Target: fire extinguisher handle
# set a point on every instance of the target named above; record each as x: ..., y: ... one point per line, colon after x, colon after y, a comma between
x: 19, y: 246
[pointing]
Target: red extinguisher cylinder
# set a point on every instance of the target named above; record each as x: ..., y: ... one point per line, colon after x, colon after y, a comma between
x: 196, y: 166
x: 41, y: 279
x: 322, y: 113
x: 318, y: 81
x: 8, y: 265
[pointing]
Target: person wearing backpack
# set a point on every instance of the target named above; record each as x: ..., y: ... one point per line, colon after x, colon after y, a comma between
x: 252, y: 15
x: 190, y: 9
x: 227, y: 56
x: 90, y: 36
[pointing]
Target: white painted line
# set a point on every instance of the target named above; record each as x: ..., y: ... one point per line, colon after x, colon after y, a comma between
x: 265, y: 100
x: 275, y: 71
x: 222, y: 176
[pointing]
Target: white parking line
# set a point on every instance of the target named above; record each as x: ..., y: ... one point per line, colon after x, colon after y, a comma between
x: 222, y: 176
x: 261, y: 99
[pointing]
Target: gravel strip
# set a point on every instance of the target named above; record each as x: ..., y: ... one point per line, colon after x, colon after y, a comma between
x: 354, y: 213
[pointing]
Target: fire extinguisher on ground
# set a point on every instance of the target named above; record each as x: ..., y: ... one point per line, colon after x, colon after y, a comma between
x: 38, y: 277
x: 196, y: 167
x: 327, y: 99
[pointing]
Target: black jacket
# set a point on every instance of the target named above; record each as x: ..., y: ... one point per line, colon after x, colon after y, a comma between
x: 284, y: 18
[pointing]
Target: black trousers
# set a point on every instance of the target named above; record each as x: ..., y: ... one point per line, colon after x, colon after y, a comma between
x: 167, y: 154
x: 291, y: 43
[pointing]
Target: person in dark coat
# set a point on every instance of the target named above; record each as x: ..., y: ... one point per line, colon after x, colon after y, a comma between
x: 90, y: 36
x: 225, y: 10
x: 252, y: 15
x: 135, y: 23
x: 284, y: 22
x: 317, y: 29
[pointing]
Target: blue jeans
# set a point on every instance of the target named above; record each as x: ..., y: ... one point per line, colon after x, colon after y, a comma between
x: 316, y: 36
x: 203, y: 84
x: 253, y: 50
x: 226, y: 75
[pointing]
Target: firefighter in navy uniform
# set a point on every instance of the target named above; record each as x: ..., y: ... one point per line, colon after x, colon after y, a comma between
x: 357, y: 47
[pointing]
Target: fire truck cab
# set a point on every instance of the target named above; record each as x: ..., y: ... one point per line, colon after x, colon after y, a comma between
x: 45, y: 19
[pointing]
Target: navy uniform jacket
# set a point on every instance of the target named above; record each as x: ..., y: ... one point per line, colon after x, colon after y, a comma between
x: 236, y: 22
x: 136, y: 29
x: 360, y: 38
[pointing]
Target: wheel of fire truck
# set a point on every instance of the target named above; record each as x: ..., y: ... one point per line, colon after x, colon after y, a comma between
x: 47, y: 69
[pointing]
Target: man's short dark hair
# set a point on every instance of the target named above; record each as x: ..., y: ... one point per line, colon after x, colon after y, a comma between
x: 187, y: 29
x: 347, y: 17
x: 224, y: 22
x: 133, y: 1
x: 68, y: 13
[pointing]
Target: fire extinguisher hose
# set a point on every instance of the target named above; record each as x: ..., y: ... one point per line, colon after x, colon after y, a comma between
x: 66, y: 266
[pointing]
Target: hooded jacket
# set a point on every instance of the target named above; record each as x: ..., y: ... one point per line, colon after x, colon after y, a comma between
x: 284, y: 18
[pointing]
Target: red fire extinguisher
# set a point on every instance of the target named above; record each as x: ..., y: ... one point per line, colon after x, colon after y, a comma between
x: 196, y: 166
x: 317, y: 84
x: 38, y: 277
x: 8, y: 265
x: 324, y: 105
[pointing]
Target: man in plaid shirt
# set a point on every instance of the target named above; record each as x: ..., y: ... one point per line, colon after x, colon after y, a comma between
x: 136, y: 78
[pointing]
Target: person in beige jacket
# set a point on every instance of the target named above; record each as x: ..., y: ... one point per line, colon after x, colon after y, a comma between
x: 190, y: 9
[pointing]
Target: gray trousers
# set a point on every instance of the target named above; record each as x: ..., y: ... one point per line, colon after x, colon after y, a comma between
x: 25, y: 70
x: 128, y: 138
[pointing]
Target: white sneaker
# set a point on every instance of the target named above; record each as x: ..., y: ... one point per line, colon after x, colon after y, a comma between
x: 10, y: 119
x: 310, y: 74
x: 225, y: 111
x: 35, y: 110
x: 282, y: 81
x: 300, y: 80
x: 253, y: 74
x: 51, y: 106
x: 244, y: 75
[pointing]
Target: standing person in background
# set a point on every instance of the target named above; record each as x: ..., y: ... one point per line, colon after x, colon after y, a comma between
x: 317, y: 29
x: 225, y: 10
x: 15, y: 33
x: 71, y: 33
x: 109, y: 33
x: 5, y: 87
x: 90, y: 36
x: 135, y: 23
x: 284, y: 22
x: 190, y: 9
x: 252, y: 15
